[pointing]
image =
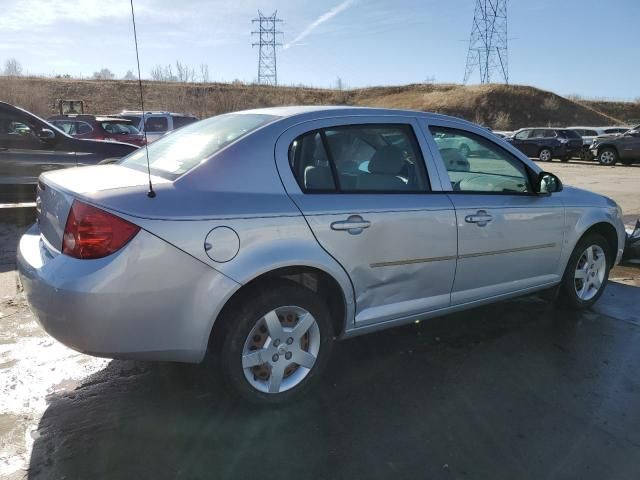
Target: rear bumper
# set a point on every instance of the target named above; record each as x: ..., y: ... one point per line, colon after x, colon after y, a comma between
x: 148, y: 301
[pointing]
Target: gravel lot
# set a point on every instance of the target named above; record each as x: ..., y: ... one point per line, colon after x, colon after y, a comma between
x: 520, y: 389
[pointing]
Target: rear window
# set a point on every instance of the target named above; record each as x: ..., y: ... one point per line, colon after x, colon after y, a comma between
x: 176, y: 154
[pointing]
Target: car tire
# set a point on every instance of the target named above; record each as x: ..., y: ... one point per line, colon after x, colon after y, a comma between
x: 545, y: 155
x: 587, y: 272
x: 250, y: 353
x: 607, y: 157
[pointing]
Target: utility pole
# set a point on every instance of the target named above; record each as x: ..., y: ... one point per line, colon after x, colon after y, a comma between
x: 488, y: 43
x: 267, y: 43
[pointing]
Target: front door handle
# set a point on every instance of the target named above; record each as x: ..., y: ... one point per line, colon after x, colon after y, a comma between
x: 480, y: 218
x: 354, y: 224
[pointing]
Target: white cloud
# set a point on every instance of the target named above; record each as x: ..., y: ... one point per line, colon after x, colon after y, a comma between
x: 27, y: 15
x: 319, y: 21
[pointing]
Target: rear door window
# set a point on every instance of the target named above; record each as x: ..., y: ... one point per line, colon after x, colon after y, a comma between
x: 370, y: 158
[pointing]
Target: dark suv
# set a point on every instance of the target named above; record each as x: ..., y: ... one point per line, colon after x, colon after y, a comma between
x: 547, y: 143
x: 30, y: 146
x: 609, y: 149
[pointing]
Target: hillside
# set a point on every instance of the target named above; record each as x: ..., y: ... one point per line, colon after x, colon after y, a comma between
x: 629, y: 112
x: 501, y: 107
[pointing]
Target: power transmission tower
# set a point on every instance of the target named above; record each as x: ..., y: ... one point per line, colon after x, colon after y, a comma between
x: 267, y: 43
x: 488, y: 44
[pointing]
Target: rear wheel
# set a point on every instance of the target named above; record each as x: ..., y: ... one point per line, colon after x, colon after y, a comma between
x: 607, y: 156
x: 587, y: 272
x: 276, y: 342
x: 544, y: 155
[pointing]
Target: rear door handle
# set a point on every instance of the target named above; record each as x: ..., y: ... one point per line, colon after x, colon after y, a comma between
x: 355, y: 224
x: 480, y: 218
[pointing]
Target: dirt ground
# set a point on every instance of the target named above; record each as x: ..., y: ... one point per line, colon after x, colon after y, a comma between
x: 520, y: 389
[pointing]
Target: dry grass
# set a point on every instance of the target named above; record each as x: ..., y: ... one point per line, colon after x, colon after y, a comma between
x: 499, y: 106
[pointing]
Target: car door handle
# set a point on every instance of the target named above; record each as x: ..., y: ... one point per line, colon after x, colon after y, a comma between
x: 354, y: 224
x: 481, y: 218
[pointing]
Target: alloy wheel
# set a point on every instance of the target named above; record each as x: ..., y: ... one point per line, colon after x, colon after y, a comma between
x: 590, y: 272
x: 607, y: 157
x: 281, y: 349
x: 545, y: 155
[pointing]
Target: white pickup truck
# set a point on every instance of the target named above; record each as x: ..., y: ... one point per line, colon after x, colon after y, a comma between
x: 156, y: 124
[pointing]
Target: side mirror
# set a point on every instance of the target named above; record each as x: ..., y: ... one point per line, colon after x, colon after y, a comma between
x: 548, y: 183
x: 46, y: 135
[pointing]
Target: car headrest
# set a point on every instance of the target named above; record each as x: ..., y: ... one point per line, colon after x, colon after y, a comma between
x: 387, y: 160
x: 454, y: 160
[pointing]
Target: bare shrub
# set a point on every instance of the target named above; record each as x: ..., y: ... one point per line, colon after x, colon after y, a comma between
x: 12, y: 68
x: 104, y: 74
x: 551, y: 103
x: 502, y: 121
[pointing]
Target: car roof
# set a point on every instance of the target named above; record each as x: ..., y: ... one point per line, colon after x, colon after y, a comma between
x: 312, y: 112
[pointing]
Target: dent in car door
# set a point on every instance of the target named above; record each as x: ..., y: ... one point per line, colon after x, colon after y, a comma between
x: 398, y: 249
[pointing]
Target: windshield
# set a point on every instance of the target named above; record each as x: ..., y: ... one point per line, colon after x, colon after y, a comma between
x: 176, y: 154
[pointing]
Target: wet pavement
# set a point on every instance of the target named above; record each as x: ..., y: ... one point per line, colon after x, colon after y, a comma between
x: 520, y: 389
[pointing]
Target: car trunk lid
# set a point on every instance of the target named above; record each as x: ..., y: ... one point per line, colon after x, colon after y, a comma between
x: 58, y: 189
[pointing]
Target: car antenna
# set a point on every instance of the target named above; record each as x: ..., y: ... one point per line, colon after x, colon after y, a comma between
x: 151, y: 193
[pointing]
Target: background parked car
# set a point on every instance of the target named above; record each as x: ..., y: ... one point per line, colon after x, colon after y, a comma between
x: 112, y: 129
x: 30, y: 146
x: 546, y: 144
x: 609, y: 149
x: 588, y: 134
x: 157, y: 123
x: 503, y: 133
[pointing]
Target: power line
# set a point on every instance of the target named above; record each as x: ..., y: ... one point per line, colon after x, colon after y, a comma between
x: 488, y: 43
x: 267, y: 43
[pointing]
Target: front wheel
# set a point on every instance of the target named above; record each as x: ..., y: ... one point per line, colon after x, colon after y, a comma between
x: 607, y: 156
x: 587, y: 272
x: 544, y: 155
x: 276, y: 342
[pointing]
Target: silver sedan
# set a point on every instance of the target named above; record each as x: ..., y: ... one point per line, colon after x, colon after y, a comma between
x: 273, y: 232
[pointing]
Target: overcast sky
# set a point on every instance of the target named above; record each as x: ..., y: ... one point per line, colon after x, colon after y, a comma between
x: 586, y: 47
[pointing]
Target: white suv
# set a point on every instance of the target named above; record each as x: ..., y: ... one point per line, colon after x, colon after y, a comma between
x: 157, y: 123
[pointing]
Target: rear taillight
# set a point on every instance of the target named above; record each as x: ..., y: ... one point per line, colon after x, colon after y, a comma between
x: 94, y: 233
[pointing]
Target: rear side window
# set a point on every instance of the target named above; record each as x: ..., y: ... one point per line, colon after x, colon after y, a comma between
x: 589, y: 133
x: 359, y: 159
x: 568, y: 133
x: 176, y: 154
x: 156, y: 124
x: 549, y: 134
x: 182, y: 121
